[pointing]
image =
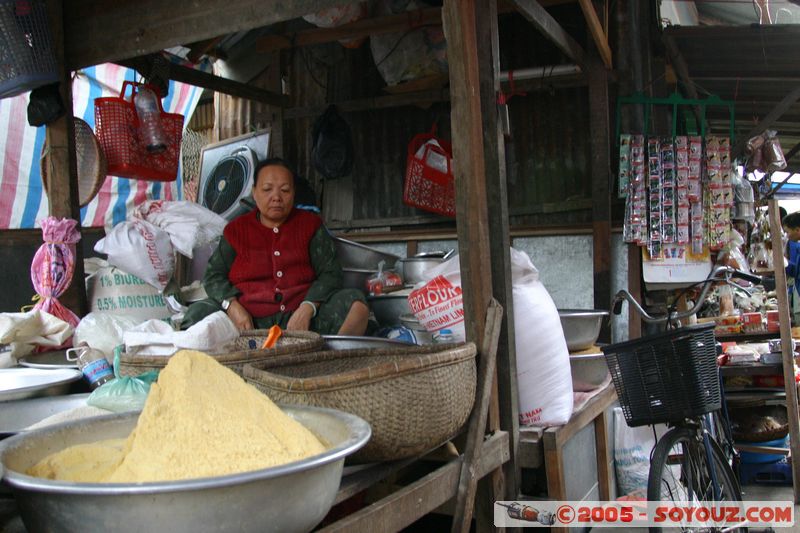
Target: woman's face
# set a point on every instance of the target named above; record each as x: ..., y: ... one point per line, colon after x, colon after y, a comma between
x: 274, y: 194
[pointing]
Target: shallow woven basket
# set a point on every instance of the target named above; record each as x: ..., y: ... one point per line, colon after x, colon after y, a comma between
x: 245, y: 349
x: 414, y: 398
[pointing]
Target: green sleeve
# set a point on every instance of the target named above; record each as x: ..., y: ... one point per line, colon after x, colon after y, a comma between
x: 326, y: 265
x: 215, y: 280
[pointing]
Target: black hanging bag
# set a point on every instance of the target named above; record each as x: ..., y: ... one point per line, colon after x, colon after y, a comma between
x: 332, y: 153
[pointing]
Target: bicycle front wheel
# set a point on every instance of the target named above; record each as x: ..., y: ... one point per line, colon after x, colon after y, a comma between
x: 680, y: 471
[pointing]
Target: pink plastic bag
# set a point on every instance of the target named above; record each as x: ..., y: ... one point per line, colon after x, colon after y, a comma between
x: 53, y: 266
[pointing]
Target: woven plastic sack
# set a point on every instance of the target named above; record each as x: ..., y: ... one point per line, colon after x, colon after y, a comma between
x: 53, y: 265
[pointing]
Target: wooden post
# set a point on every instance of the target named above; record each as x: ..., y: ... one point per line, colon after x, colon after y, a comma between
x: 499, y: 238
x: 601, y: 188
x: 459, y: 18
x: 62, y: 172
x: 786, y: 343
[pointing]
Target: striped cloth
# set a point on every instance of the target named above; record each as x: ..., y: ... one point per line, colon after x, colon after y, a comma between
x: 22, y: 200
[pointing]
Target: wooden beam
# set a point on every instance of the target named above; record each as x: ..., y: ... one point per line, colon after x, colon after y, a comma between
x: 374, y: 102
x: 368, y: 27
x: 499, y: 236
x: 210, y: 81
x: 200, y: 48
x: 62, y: 165
x: 776, y: 113
x: 600, y: 143
x: 598, y: 33
x: 407, y: 505
x: 792, y: 412
x: 550, y: 28
x: 98, y: 31
x: 354, y: 30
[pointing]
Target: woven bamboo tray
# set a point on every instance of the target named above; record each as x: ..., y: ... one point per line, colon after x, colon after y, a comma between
x: 245, y: 349
x: 414, y: 398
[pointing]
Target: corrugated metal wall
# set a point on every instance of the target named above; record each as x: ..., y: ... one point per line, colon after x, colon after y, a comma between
x: 549, y: 179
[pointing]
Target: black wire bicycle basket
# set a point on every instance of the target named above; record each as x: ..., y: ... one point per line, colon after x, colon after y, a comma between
x: 666, y: 377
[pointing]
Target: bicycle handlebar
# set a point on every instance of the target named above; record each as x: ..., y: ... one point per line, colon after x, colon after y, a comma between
x: 720, y: 273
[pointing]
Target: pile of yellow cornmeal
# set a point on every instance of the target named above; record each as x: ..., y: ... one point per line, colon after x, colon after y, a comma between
x: 200, y: 420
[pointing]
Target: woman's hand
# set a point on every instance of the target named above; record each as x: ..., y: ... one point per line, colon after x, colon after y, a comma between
x: 239, y: 316
x: 300, y: 319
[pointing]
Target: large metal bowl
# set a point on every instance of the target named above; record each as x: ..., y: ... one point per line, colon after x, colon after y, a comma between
x: 354, y: 255
x: 589, y: 371
x: 388, y: 307
x: 287, y: 498
x: 354, y: 278
x: 19, y: 383
x: 581, y: 327
x: 352, y: 342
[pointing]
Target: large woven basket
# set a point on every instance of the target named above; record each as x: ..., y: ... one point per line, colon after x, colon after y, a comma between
x: 414, y: 398
x: 245, y: 349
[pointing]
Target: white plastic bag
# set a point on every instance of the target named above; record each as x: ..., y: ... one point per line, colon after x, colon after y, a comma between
x: 544, y: 378
x: 25, y: 331
x: 188, y: 224
x: 142, y: 249
x: 632, y: 447
x: 103, y: 331
x: 155, y: 337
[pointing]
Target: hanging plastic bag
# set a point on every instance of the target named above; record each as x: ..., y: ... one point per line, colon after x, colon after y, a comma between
x: 52, y: 268
x: 332, y: 150
x: 123, y: 393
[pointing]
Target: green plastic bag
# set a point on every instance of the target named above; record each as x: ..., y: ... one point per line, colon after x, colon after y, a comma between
x: 123, y: 394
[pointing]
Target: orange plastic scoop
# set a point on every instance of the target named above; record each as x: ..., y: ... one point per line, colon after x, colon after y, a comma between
x: 274, y: 334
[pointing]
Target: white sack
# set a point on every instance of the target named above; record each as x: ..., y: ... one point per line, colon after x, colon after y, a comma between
x: 544, y: 378
x: 141, y: 249
x: 189, y: 225
x: 156, y: 337
x: 104, y: 331
x: 543, y: 369
x: 25, y: 331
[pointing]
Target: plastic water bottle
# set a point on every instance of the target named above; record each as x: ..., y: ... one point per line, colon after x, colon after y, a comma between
x: 150, y: 131
x: 92, y: 363
x: 444, y: 335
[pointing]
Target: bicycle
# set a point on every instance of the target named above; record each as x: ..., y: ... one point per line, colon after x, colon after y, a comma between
x: 672, y: 378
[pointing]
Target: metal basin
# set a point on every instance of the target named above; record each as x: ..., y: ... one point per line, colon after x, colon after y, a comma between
x: 388, y: 307
x: 288, y: 498
x: 353, y: 255
x: 19, y: 383
x: 413, y: 269
x: 581, y: 327
x: 350, y: 342
x: 588, y: 371
x: 18, y: 415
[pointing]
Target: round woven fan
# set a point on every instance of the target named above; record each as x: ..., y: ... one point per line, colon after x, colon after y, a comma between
x: 92, y: 167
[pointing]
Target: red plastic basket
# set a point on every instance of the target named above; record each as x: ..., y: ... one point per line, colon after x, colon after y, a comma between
x: 426, y: 187
x: 117, y: 126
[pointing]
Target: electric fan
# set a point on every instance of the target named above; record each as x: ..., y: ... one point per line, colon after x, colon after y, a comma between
x: 229, y: 182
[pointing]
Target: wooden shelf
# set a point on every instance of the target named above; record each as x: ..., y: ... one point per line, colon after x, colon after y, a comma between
x: 757, y: 369
x: 744, y: 337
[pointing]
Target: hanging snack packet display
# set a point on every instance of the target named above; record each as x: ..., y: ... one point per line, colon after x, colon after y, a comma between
x: 654, y: 182
x: 635, y: 227
x: 682, y: 189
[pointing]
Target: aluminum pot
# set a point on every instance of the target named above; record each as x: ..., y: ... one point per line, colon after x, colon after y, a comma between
x: 581, y: 327
x: 353, y: 255
x: 413, y: 269
x: 293, y: 497
x: 388, y: 307
x: 588, y: 371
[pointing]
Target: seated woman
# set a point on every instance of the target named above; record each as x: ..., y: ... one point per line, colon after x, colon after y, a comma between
x: 277, y: 265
